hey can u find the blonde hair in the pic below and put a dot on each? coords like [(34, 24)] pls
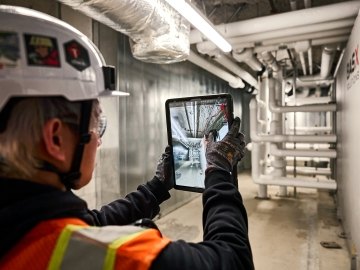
[(24, 132)]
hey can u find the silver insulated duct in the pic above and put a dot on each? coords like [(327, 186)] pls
[(158, 33)]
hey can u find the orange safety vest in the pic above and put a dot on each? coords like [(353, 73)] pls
[(72, 244)]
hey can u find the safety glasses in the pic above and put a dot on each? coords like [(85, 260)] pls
[(101, 127)]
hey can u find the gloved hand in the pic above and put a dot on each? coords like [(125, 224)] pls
[(164, 169), (224, 155)]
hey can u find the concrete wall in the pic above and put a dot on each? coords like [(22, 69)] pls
[(348, 132), (136, 133)]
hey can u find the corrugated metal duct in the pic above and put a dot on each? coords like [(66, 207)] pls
[(158, 33)]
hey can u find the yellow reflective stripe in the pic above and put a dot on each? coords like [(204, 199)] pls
[(112, 248), (61, 246)]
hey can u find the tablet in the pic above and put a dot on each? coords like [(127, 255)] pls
[(189, 120)]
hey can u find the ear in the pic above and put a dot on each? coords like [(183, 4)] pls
[(53, 135)]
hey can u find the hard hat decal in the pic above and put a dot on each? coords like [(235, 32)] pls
[(76, 55), (42, 51), (9, 49)]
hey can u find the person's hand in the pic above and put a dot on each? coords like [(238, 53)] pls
[(224, 155), (163, 169)]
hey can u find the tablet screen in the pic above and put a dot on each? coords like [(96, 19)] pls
[(189, 121)]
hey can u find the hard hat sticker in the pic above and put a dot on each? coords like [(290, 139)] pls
[(76, 55), (42, 51), (9, 49)]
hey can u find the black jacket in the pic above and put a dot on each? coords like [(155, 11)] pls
[(226, 246)]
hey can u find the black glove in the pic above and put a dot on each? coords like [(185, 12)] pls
[(164, 169), (224, 155)]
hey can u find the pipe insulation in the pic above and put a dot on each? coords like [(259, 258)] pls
[(158, 33), (295, 18)]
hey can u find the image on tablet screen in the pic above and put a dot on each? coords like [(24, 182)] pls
[(191, 121)]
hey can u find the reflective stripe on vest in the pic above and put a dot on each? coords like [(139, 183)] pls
[(84, 247)]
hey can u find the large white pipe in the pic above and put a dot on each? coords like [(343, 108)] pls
[(327, 58), (310, 130), (285, 20), (247, 56), (234, 82), (306, 182), (293, 38), (259, 37), (308, 170), (292, 45), (302, 61), (233, 67), (275, 151), (255, 137), (270, 60), (312, 81), (310, 60), (275, 108)]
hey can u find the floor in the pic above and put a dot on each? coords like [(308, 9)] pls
[(285, 232)]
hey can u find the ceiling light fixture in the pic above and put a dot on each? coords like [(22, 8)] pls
[(199, 22)]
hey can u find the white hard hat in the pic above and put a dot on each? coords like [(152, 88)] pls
[(43, 56)]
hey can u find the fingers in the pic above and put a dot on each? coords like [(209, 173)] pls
[(235, 127), (210, 137), (168, 149)]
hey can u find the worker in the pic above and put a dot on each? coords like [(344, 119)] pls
[(51, 125)]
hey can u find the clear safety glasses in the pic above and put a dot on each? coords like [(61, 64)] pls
[(101, 127)]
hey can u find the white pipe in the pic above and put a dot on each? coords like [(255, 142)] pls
[(247, 56), (270, 60), (312, 81), (329, 40), (291, 45), (275, 151), (292, 19), (310, 60), (302, 61), (317, 35), (259, 37), (311, 129), (282, 138), (304, 108), (314, 159), (306, 182), (308, 170), (307, 3), (308, 146), (233, 67), (293, 5), (310, 100), (327, 58), (234, 82)]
